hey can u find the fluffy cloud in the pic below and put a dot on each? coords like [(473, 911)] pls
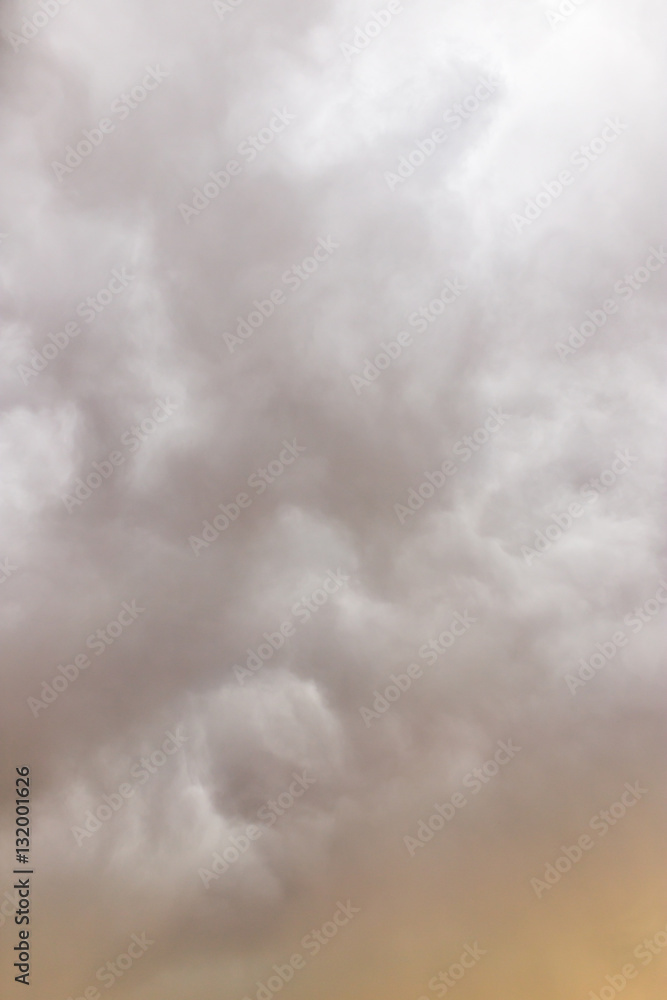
[(120, 308)]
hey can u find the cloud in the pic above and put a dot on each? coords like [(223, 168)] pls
[(320, 181)]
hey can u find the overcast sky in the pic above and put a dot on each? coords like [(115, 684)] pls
[(385, 398)]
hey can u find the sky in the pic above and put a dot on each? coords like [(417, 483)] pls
[(332, 576)]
